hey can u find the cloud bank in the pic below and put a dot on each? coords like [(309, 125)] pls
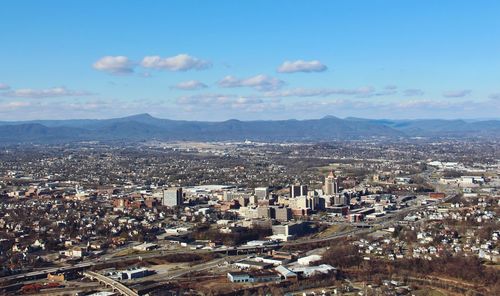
[(259, 82), (181, 62), (302, 66), (114, 65), (45, 93), (190, 85)]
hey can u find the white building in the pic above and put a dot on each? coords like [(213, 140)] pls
[(261, 192), (172, 197), (309, 259), (308, 271)]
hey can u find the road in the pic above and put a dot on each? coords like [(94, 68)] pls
[(201, 267), (124, 290)]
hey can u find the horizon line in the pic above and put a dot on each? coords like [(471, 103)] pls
[(241, 120)]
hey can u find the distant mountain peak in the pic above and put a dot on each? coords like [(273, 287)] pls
[(141, 116), (233, 120), (330, 117)]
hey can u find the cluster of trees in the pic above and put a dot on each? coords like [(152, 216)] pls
[(470, 269), (467, 269), (205, 232), (186, 257), (343, 255), (405, 234), (452, 174)]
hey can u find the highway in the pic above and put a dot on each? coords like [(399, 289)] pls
[(39, 273), (173, 274)]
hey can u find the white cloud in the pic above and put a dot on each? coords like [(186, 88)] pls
[(457, 93), (94, 105), (190, 85), (265, 107), (362, 92), (9, 106), (258, 82), (413, 92), (181, 62), (114, 65), (408, 106), (224, 101), (385, 92), (44, 93), (206, 99), (495, 96), (301, 66), (427, 104), (4, 86), (304, 92)]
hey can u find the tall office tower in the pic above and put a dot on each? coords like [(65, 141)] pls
[(261, 192), (298, 190), (283, 214), (253, 200), (331, 184), (340, 199), (264, 212), (229, 195), (172, 197)]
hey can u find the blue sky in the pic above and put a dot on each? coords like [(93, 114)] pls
[(216, 60)]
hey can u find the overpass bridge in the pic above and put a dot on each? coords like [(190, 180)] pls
[(116, 286), (40, 274)]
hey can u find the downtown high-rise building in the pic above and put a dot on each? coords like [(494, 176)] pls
[(172, 197), (298, 190), (331, 184), (261, 192)]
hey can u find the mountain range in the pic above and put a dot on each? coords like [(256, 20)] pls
[(143, 127)]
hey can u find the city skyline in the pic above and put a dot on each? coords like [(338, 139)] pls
[(194, 60), (249, 147)]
